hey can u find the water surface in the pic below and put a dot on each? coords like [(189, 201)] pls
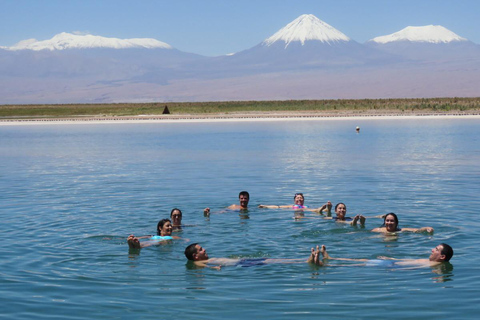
[(70, 194)]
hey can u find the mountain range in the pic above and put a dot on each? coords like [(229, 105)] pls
[(307, 59)]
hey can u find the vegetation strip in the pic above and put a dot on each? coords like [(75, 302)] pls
[(242, 109)]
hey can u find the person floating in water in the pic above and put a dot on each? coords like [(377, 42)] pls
[(198, 255), (341, 211), (299, 204), (243, 198), (164, 233), (441, 253), (390, 225), (176, 216)]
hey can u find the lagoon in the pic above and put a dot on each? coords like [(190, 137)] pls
[(71, 194)]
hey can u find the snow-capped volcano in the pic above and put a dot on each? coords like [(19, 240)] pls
[(304, 28), (428, 34), (66, 40), (306, 43)]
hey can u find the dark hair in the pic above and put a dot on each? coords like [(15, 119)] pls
[(160, 225), (298, 194), (340, 204), (175, 209), (447, 251), (244, 193), (394, 218), (190, 251)]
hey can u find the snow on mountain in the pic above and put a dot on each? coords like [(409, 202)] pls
[(306, 43), (304, 28), (66, 40), (429, 34)]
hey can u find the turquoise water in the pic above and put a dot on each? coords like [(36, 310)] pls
[(70, 195)]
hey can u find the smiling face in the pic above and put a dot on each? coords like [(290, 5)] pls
[(166, 229), (243, 199), (390, 223), (201, 253), (299, 199), (341, 211), (436, 254)]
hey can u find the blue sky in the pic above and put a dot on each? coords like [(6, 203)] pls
[(216, 27)]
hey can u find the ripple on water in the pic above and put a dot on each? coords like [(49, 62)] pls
[(72, 194)]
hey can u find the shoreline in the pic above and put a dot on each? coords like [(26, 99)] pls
[(238, 117)]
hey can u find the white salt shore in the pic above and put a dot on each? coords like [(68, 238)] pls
[(232, 118)]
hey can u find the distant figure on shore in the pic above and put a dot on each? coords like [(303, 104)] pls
[(341, 211), (299, 204), (441, 253), (390, 225), (164, 233), (243, 198), (198, 255)]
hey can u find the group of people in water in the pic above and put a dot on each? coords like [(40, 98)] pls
[(318, 256), (165, 228)]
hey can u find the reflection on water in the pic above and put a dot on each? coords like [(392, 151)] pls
[(70, 195), (444, 272)]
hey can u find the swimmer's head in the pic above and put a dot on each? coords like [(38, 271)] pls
[(336, 206), (299, 199), (195, 252), (390, 222), (341, 210), (244, 193), (176, 216), (447, 251), (243, 198), (441, 253), (164, 227)]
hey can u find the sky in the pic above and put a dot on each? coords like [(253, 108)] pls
[(217, 27)]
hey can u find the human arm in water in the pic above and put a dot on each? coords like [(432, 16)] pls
[(325, 209), (419, 230), (134, 242), (207, 211), (145, 237), (428, 230), (269, 206)]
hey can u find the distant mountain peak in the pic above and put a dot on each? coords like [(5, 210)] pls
[(429, 34), (307, 27), (66, 40)]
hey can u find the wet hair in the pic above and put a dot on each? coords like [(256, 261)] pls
[(447, 251), (160, 225), (176, 209), (340, 204), (244, 193), (190, 251), (394, 218), (298, 194)]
